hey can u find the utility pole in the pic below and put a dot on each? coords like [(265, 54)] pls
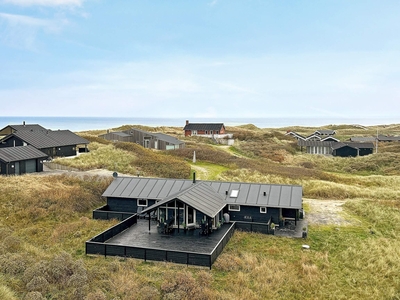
[(376, 142)]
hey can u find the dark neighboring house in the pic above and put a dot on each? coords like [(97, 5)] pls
[(204, 129), (352, 149), (20, 160), (244, 202), (159, 141), (55, 143)]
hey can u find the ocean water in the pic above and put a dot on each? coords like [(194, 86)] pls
[(93, 123)]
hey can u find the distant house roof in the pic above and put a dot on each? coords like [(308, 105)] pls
[(385, 138), (353, 145), (48, 138), (12, 154), (330, 139), (296, 135), (204, 126), (313, 137), (28, 127), (363, 139), (325, 132), (251, 194), (200, 196)]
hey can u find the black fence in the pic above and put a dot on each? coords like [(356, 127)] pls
[(222, 243), (103, 213), (254, 227), (113, 231)]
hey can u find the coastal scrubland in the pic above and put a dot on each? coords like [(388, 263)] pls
[(46, 220)]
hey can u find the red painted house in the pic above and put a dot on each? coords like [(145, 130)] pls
[(204, 129)]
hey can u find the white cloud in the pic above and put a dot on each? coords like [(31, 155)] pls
[(45, 2), (21, 31), (21, 20)]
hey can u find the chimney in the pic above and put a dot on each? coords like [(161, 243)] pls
[(194, 177), (187, 122)]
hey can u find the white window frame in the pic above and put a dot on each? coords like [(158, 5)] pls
[(263, 209), (138, 202), (231, 207)]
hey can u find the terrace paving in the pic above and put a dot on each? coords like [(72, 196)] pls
[(139, 235)]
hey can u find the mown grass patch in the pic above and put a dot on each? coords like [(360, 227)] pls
[(207, 171)]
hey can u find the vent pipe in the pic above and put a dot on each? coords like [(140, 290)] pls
[(194, 177)]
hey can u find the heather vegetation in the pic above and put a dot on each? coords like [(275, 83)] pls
[(46, 220)]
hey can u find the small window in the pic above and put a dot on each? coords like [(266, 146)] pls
[(234, 207), (263, 210), (142, 202), (234, 193)]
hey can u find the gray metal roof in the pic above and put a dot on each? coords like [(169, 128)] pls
[(200, 196), (204, 126), (48, 138), (251, 194), (12, 154)]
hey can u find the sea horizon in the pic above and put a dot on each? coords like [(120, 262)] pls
[(104, 123)]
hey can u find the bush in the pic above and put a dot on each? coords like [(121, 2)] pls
[(13, 264), (34, 296), (38, 284)]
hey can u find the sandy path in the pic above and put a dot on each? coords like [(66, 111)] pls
[(328, 212)]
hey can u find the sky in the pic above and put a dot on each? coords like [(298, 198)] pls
[(211, 59)]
